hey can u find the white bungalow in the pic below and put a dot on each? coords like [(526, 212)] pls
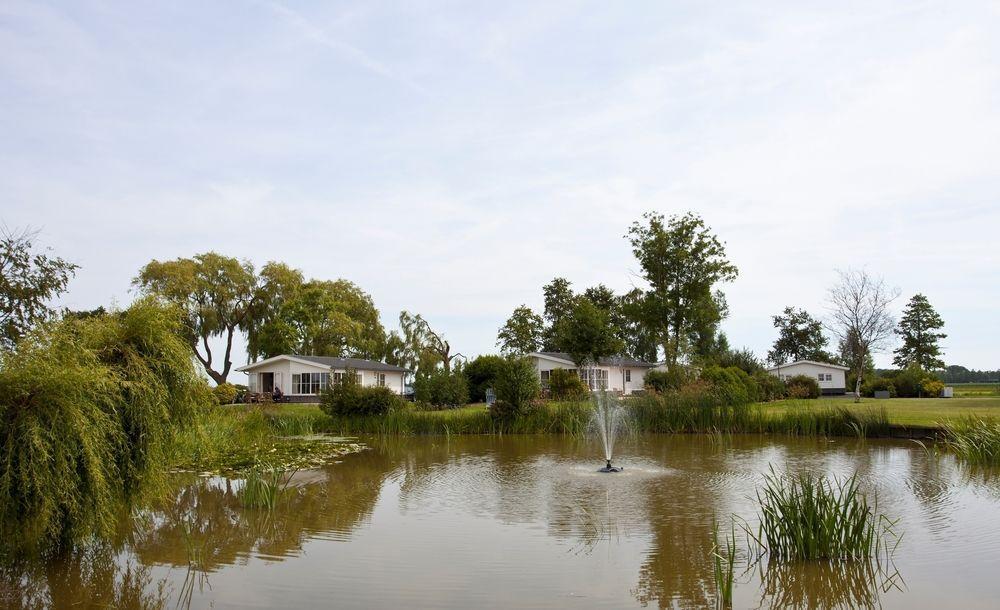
[(302, 378), (617, 373), (832, 378)]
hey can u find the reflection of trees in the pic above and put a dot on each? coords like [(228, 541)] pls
[(90, 578), (205, 519), (825, 584)]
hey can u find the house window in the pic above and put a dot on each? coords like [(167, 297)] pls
[(381, 380), (338, 377), (821, 376), (600, 378), (308, 383), (545, 376), (628, 375)]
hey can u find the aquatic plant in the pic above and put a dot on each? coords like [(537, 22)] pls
[(724, 566), (807, 517), (262, 487), (975, 440)]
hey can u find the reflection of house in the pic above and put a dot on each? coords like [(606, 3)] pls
[(832, 378), (302, 378), (618, 374)]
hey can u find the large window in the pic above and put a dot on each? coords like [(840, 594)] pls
[(308, 383), (600, 378), (338, 377)]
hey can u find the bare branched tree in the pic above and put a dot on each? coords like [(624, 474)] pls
[(859, 315)]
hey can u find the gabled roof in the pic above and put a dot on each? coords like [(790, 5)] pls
[(330, 362), (826, 364), (609, 361)]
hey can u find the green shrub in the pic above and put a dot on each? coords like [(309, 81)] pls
[(442, 388), (743, 359), (732, 385), (771, 388), (909, 382), (516, 386), (932, 387), (878, 384), (349, 397), (481, 374), (802, 386), (664, 381), (567, 385), (975, 439), (225, 393), (88, 408)]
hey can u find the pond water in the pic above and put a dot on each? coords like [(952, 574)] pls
[(527, 522)]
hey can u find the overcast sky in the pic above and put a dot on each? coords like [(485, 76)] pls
[(452, 158)]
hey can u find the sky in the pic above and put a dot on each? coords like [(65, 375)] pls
[(453, 157)]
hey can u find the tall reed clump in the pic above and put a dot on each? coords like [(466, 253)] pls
[(262, 487), (87, 410), (975, 439), (806, 517), (724, 566), (840, 421), (696, 407)]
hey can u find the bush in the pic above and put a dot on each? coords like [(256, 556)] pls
[(567, 385), (88, 408), (225, 393), (441, 388), (909, 382), (802, 386), (932, 387), (878, 384), (771, 388), (732, 385), (481, 374), (743, 359), (516, 386), (664, 381), (349, 397)]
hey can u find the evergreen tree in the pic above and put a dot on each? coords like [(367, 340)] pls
[(918, 330)]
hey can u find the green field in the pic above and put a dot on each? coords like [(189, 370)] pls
[(928, 412), (975, 389)]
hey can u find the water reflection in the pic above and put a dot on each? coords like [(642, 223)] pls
[(418, 522)]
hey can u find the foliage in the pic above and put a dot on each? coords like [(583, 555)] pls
[(670, 379), (225, 393), (909, 382), (682, 261), (800, 337), (731, 384), (442, 388), (806, 517), (522, 333), (879, 384), (975, 439), (261, 487), (859, 306), (559, 300), (932, 387), (586, 334), (917, 328), (802, 386), (423, 347), (350, 397), (517, 384), (28, 281), (481, 373), (770, 387), (88, 409), (960, 374), (566, 385), (743, 359)]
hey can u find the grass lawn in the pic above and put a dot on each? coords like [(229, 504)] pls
[(905, 411)]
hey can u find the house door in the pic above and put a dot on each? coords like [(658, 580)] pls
[(267, 383)]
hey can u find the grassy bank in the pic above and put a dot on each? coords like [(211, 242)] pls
[(920, 412)]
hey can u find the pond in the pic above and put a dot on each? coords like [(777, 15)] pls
[(527, 522)]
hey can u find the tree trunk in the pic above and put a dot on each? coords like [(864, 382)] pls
[(857, 388)]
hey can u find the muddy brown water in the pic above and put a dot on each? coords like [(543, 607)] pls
[(527, 522)]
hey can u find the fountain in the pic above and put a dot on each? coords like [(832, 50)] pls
[(609, 419)]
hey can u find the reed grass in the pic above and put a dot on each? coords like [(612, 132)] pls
[(975, 439), (724, 566), (806, 517), (262, 487)]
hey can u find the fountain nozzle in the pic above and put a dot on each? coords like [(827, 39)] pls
[(610, 468)]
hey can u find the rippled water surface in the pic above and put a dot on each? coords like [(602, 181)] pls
[(527, 522)]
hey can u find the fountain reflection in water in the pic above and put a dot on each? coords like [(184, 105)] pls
[(610, 420)]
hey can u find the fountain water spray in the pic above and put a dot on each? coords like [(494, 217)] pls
[(609, 419)]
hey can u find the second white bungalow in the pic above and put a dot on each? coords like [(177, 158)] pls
[(616, 373), (302, 378), (832, 378)]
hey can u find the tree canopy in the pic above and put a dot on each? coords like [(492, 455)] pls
[(800, 337), (29, 280), (423, 347), (585, 333), (918, 328), (523, 332)]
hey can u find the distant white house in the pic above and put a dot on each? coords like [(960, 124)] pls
[(302, 378), (618, 374), (832, 378)]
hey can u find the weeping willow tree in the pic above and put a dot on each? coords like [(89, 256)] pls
[(87, 411)]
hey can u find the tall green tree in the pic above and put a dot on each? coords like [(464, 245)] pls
[(586, 333), (218, 296), (523, 332), (559, 300), (918, 329), (682, 261), (29, 279), (800, 337)]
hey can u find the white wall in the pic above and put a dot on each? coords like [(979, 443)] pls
[(838, 381), (616, 380), (286, 368)]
